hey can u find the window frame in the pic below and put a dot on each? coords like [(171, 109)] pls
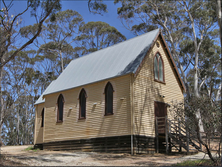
[(160, 57), (106, 103), (42, 115), (82, 91), (58, 120)]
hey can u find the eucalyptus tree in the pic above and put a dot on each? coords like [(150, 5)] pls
[(10, 38), (21, 83), (60, 36), (97, 35), (183, 22)]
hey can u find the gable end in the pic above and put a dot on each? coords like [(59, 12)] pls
[(170, 57)]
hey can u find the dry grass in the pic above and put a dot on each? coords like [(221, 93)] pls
[(203, 162)]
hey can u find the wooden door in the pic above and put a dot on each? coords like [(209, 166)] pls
[(160, 113)]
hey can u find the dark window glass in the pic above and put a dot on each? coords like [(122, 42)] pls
[(82, 104), (155, 68), (109, 99), (60, 107), (42, 125), (158, 68)]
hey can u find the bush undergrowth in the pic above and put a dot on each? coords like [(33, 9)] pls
[(203, 162), (31, 148)]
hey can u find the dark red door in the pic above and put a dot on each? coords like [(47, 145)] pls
[(160, 113)]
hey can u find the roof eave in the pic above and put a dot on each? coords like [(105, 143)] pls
[(38, 103), (151, 46), (173, 63), (86, 84)]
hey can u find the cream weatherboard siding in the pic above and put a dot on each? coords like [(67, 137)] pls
[(146, 91), (38, 135), (95, 124)]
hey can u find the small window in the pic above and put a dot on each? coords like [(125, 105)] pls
[(42, 125), (82, 104), (158, 68), (109, 99), (60, 104)]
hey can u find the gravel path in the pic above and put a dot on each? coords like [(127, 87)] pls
[(63, 158)]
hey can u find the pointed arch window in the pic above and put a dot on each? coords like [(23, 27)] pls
[(42, 125), (82, 104), (60, 104), (109, 99), (158, 68)]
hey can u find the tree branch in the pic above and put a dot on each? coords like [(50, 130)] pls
[(201, 84), (32, 39)]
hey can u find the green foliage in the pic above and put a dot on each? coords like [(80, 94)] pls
[(203, 162), (29, 31), (98, 35), (1, 15), (97, 6), (46, 5), (31, 148)]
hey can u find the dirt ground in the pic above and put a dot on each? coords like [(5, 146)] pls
[(17, 155)]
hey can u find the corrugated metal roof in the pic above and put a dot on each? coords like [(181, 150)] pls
[(117, 60)]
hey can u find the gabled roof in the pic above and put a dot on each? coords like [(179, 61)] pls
[(117, 60)]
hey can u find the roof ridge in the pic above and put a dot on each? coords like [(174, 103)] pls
[(115, 44)]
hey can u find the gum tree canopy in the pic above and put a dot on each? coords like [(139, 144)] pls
[(11, 41)]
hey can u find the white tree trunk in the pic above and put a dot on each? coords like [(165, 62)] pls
[(218, 5), (218, 93)]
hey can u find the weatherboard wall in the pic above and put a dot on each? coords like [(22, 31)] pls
[(146, 91), (96, 124), (38, 138)]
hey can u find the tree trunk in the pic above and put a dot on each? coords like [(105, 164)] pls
[(26, 118), (218, 6), (196, 92), (18, 119), (1, 143), (1, 106)]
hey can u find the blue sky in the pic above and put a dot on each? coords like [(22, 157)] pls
[(80, 6)]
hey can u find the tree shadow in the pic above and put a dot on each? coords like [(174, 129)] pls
[(42, 157), (109, 157)]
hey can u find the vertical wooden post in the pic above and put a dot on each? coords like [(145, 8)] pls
[(132, 145), (106, 144), (166, 134), (157, 136)]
